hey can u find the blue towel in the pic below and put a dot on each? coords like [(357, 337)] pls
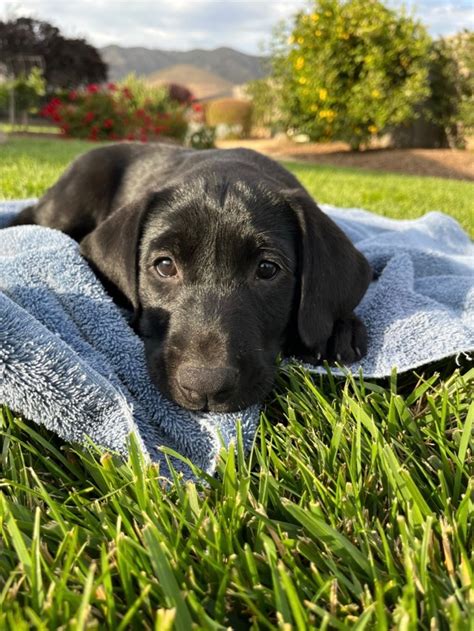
[(70, 361)]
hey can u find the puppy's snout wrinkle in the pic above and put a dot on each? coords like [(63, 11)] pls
[(202, 384)]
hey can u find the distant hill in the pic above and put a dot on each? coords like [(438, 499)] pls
[(202, 83), (230, 65)]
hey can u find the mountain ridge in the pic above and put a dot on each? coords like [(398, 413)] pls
[(226, 63), (202, 83)]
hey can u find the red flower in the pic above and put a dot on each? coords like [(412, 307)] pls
[(159, 129), (92, 88), (72, 95), (112, 87), (140, 113), (143, 137), (52, 110), (108, 123), (127, 93), (89, 117), (93, 133), (130, 136), (197, 107)]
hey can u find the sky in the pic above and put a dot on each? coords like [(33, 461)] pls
[(245, 25)]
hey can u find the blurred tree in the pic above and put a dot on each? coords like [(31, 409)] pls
[(68, 63), (179, 93), (349, 69), (451, 104), (28, 90), (266, 104), (447, 115), (463, 49)]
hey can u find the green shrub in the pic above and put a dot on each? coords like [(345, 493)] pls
[(231, 112), (203, 138), (4, 96), (351, 68), (451, 103), (266, 103), (446, 117), (463, 49), (28, 91)]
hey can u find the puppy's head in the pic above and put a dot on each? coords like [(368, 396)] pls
[(224, 273)]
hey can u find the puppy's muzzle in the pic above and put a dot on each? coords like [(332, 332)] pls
[(203, 386)]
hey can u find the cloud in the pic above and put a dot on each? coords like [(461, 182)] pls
[(186, 24), (440, 17), (447, 19), (177, 24)]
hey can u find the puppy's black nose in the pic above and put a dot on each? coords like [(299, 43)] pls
[(206, 384)]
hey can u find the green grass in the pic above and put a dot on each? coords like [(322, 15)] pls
[(354, 509), (32, 128), (28, 167), (390, 194)]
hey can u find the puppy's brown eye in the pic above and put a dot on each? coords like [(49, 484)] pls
[(267, 270), (165, 266)]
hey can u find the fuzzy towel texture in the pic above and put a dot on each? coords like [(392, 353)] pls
[(69, 360)]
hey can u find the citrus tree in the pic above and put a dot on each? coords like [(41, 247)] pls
[(351, 68)]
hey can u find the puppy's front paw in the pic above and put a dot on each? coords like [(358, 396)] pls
[(348, 342)]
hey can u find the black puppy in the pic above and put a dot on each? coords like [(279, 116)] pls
[(224, 258)]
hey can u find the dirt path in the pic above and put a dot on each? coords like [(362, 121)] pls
[(448, 163)]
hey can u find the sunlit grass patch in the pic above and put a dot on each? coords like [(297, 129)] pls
[(355, 507)]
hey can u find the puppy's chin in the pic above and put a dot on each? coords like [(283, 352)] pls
[(256, 388), (239, 401), (218, 408)]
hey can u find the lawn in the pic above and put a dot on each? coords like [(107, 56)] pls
[(32, 128), (354, 509)]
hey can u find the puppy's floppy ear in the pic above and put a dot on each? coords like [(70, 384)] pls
[(333, 274), (112, 247)]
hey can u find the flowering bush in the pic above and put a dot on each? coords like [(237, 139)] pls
[(350, 68), (131, 111)]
